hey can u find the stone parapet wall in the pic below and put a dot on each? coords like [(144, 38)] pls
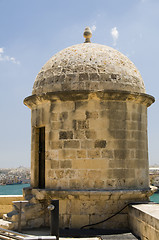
[(6, 203), (144, 221), (79, 208)]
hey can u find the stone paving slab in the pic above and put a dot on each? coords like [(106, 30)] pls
[(126, 236), (79, 235)]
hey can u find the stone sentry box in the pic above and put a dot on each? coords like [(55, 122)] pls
[(89, 138)]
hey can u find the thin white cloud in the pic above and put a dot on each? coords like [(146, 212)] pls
[(93, 28), (1, 50), (115, 35), (5, 58)]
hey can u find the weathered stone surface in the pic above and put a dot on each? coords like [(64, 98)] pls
[(91, 100), (90, 64), (144, 220), (87, 137), (66, 135), (6, 203), (100, 144), (78, 208), (71, 144)]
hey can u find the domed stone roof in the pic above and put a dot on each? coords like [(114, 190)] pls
[(88, 66)]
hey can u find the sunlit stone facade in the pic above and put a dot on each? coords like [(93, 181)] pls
[(89, 138)]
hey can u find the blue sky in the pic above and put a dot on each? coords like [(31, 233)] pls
[(31, 31)]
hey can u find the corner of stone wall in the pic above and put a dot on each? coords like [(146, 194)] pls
[(144, 220)]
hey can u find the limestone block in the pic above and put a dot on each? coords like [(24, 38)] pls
[(63, 208), (48, 164), (35, 223), (52, 135), (87, 206), (33, 211), (59, 174), (65, 221), (96, 174), (93, 154), (69, 105), (71, 173), (75, 207), (54, 116), (56, 107), (81, 153), (66, 164), (80, 124), (79, 134), (78, 115), (100, 144), (71, 144), (99, 184), (63, 116), (67, 154), (90, 134), (41, 195), (93, 114), (85, 144), (75, 184), (56, 145), (78, 221), (65, 135), (81, 105), (54, 164), (56, 125)]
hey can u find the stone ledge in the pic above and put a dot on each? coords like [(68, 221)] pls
[(6, 203), (144, 220), (7, 199), (111, 95), (133, 193)]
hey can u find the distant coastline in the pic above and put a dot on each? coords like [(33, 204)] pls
[(14, 176)]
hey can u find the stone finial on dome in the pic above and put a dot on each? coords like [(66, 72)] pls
[(87, 34)]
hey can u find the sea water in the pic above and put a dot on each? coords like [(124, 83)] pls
[(155, 197), (14, 189)]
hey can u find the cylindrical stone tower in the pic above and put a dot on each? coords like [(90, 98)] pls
[(89, 136)]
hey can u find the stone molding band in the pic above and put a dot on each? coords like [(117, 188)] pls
[(123, 192), (109, 95)]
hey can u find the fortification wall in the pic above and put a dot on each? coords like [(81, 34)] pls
[(6, 203), (144, 221)]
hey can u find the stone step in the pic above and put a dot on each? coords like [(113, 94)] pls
[(6, 224), (11, 216), (5, 217)]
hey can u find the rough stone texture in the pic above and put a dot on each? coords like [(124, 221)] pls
[(79, 208), (6, 203), (91, 100), (83, 152), (88, 67), (144, 221), (95, 145), (6, 224)]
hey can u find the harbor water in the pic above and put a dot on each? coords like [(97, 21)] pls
[(14, 189), (155, 197)]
